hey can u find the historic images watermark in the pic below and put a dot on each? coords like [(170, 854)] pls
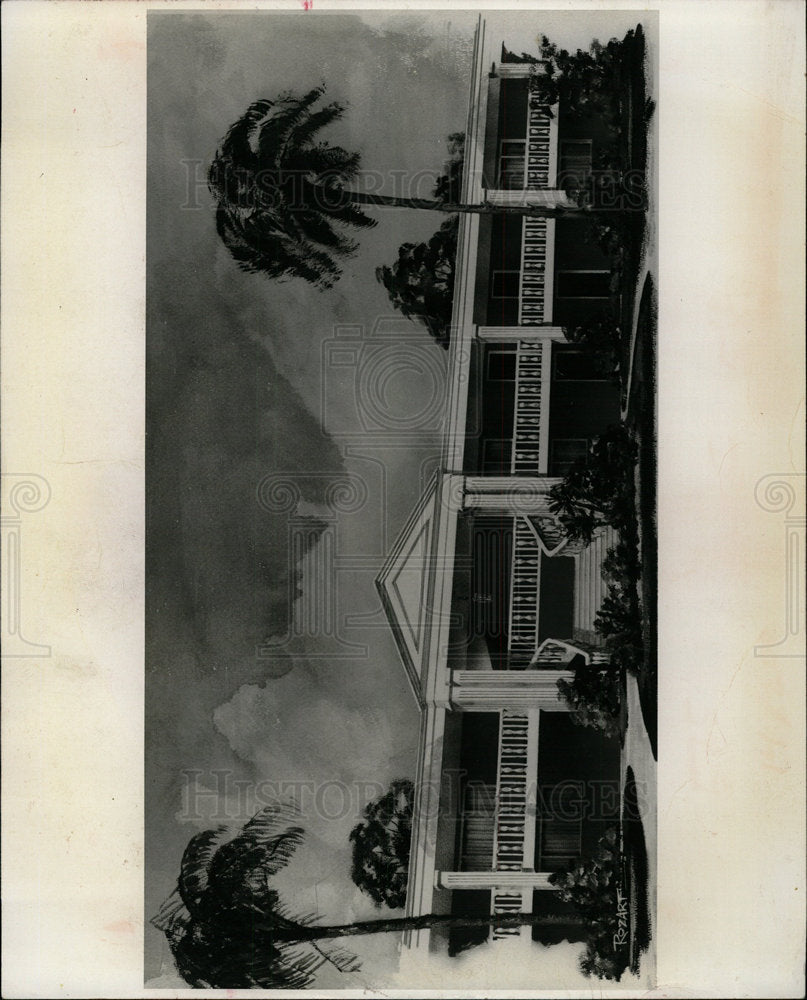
[(217, 796), (22, 493), (265, 190), (784, 494)]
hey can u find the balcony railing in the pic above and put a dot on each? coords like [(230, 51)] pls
[(538, 235), (508, 844), (531, 417), (515, 830), (522, 633)]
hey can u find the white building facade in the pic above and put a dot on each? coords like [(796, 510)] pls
[(489, 602)]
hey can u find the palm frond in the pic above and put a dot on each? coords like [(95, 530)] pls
[(172, 918), (193, 874), (316, 266), (274, 133), (317, 229), (236, 145), (340, 958), (265, 256), (275, 253), (266, 839), (303, 132), (326, 163), (350, 215)]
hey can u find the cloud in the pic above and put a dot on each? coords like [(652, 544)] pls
[(508, 965), (233, 389), (297, 730)]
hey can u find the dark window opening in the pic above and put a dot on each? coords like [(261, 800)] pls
[(575, 164), (505, 285), (576, 366), (491, 561), (497, 457), (498, 405), (584, 284), (512, 164), (501, 365), (564, 452)]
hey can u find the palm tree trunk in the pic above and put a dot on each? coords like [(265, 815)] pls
[(335, 197), (463, 208), (291, 931)]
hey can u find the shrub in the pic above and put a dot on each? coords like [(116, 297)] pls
[(601, 336), (593, 696), (594, 493), (420, 283), (619, 620), (598, 490), (590, 885)]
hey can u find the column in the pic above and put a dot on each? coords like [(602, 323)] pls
[(20, 494), (554, 199), (508, 494), (489, 690), (524, 881), (519, 70), (512, 334), (783, 493)]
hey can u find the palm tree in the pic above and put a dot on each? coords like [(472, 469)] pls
[(224, 921), (281, 198), (228, 928)]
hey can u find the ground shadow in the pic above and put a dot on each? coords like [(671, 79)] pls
[(641, 418), (636, 872)]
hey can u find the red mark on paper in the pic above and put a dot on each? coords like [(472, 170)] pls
[(121, 927), (308, 4)]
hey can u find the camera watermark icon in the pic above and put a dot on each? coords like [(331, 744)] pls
[(22, 493), (784, 493), (395, 383)]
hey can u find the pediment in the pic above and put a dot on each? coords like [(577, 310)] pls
[(404, 583)]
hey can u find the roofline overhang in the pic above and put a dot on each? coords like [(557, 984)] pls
[(420, 886)]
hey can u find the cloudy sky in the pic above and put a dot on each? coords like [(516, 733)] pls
[(241, 388)]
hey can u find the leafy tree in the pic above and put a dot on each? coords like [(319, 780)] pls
[(585, 82), (599, 489), (605, 82), (449, 184), (421, 282), (227, 926), (281, 196), (381, 843)]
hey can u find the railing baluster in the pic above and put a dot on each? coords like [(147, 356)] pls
[(533, 256), (511, 813), (530, 361)]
